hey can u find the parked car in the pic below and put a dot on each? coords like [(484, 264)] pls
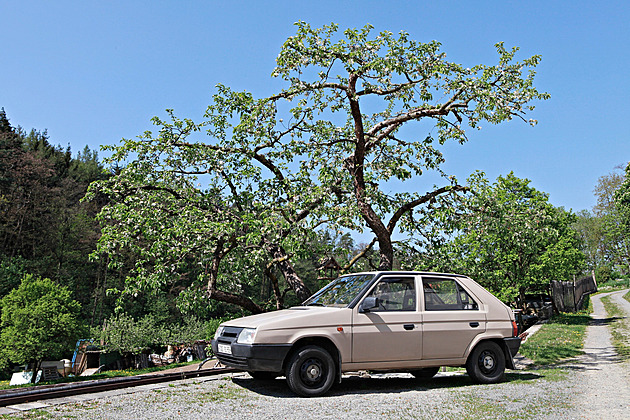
[(378, 321)]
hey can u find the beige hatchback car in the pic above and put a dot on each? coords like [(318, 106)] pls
[(379, 321)]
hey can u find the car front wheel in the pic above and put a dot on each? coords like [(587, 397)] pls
[(486, 364), (311, 371)]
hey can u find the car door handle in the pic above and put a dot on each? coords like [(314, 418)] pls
[(408, 326), (474, 324)]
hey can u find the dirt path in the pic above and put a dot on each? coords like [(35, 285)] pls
[(606, 379)]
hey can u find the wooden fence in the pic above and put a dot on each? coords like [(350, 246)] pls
[(568, 296)]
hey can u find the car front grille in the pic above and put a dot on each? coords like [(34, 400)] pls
[(238, 362)]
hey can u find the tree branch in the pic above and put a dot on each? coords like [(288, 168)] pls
[(421, 200), (165, 189), (359, 256)]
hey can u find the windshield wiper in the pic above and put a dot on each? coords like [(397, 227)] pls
[(315, 304)]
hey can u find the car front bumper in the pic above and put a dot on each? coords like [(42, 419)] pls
[(253, 357)]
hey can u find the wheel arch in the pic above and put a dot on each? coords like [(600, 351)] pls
[(509, 362), (323, 342)]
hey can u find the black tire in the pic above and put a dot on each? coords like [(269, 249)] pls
[(311, 371), (425, 373), (263, 376), (486, 364)]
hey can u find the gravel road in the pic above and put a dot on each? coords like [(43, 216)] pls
[(606, 379), (596, 386)]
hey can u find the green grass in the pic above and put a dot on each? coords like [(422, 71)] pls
[(612, 285), (561, 338), (103, 375), (627, 296), (619, 327)]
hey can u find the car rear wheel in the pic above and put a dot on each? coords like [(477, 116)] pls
[(486, 364), (263, 376), (425, 373), (311, 371)]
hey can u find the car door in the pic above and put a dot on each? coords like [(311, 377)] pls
[(392, 331), (452, 318)]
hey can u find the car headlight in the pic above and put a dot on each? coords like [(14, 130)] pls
[(218, 332), (246, 336)]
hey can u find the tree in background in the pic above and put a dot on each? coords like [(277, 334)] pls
[(511, 239), (590, 227), (40, 320), (606, 243), (619, 227)]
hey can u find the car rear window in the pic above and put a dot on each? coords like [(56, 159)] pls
[(446, 295)]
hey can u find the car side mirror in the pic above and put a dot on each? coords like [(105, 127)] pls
[(368, 304)]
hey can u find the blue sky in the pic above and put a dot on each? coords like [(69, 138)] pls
[(92, 73)]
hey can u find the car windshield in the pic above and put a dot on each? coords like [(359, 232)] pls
[(340, 292)]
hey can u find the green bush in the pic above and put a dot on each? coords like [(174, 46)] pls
[(39, 321), (603, 273), (122, 333)]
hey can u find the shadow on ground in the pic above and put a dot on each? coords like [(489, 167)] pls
[(605, 321), (375, 385)]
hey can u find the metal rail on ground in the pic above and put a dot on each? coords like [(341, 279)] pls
[(45, 392)]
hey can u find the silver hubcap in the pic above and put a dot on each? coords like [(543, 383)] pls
[(488, 362), (312, 372)]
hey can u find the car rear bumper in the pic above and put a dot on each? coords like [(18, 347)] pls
[(253, 357), (511, 345)]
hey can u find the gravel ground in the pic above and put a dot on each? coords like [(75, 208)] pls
[(596, 386), (448, 396)]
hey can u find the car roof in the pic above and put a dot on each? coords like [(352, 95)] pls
[(415, 273)]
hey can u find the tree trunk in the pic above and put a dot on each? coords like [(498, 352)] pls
[(227, 297), (284, 264), (239, 300), (36, 365), (276, 289), (355, 165)]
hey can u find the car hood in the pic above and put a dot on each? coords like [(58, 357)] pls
[(296, 317)]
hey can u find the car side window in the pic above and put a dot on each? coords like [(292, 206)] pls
[(395, 294), (446, 295)]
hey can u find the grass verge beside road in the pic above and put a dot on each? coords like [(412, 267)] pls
[(561, 338), (619, 327)]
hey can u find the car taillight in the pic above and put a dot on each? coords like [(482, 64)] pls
[(514, 329)]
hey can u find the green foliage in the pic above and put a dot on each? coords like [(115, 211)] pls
[(604, 274), (604, 233), (561, 338), (191, 330), (122, 333), (40, 320), (12, 270), (511, 239), (622, 207)]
